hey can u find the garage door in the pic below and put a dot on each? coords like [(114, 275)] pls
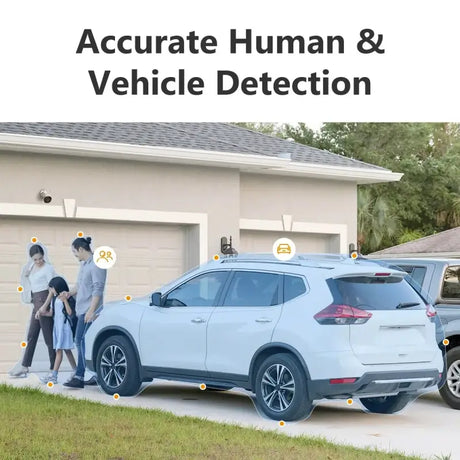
[(147, 257), (261, 241)]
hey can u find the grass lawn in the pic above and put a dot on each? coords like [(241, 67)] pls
[(37, 425)]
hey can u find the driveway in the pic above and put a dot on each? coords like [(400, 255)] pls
[(427, 427)]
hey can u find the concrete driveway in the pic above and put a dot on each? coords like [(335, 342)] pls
[(427, 427)]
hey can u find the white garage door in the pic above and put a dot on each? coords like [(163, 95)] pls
[(261, 241), (147, 257)]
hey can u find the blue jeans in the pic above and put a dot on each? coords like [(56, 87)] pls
[(82, 327)]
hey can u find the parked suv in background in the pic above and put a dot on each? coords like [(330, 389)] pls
[(291, 332), (439, 281)]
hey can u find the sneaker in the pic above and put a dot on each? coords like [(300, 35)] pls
[(72, 376), (91, 381), (75, 383), (21, 372), (48, 379)]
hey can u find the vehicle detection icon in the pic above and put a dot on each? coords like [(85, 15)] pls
[(284, 249)]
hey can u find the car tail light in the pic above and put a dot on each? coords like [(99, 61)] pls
[(346, 380), (430, 311), (342, 314)]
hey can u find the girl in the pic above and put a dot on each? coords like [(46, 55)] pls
[(64, 316)]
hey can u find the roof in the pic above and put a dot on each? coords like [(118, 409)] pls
[(443, 244), (219, 137), (221, 141)]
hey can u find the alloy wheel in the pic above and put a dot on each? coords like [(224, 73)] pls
[(453, 378), (278, 387), (113, 366)]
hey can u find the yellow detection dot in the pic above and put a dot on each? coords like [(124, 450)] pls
[(282, 423), (128, 298), (34, 239), (349, 402), (80, 234), (20, 288), (354, 255), (50, 384), (445, 342), (23, 344), (203, 386), (216, 257), (116, 396)]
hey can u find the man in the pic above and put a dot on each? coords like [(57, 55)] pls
[(89, 294)]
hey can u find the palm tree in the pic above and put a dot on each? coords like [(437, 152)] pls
[(375, 221)]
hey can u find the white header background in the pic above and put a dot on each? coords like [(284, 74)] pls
[(417, 79)]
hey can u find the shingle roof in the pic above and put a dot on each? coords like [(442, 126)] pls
[(220, 137), (445, 242)]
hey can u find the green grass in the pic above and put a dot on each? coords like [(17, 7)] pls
[(35, 425)]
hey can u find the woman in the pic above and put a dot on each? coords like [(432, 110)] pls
[(36, 275)]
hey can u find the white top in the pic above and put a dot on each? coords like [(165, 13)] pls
[(39, 278)]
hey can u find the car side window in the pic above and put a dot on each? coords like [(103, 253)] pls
[(253, 289), (293, 287), (200, 291), (451, 283), (416, 273)]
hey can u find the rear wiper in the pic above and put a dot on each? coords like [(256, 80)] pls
[(407, 304)]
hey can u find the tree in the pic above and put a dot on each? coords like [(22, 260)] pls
[(375, 221), (426, 200)]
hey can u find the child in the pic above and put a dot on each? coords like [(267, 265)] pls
[(64, 314)]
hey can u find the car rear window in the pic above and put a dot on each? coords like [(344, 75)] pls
[(375, 293), (416, 273)]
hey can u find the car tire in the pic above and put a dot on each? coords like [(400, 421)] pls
[(450, 391), (289, 403), (117, 367), (387, 404)]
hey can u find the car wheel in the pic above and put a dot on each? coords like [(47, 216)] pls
[(387, 404), (117, 367), (281, 389), (450, 392)]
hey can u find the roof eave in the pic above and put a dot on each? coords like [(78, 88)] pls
[(242, 161), (417, 255)]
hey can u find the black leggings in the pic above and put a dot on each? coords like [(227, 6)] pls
[(45, 323)]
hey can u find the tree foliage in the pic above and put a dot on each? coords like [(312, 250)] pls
[(426, 200)]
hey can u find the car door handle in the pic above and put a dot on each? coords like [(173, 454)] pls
[(263, 320), (198, 320)]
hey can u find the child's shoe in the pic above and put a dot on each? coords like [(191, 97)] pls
[(52, 377)]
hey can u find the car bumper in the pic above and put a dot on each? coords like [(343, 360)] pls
[(375, 384)]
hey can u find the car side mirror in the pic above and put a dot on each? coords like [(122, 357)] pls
[(155, 299)]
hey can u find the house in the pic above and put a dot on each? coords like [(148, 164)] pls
[(162, 195), (442, 245)]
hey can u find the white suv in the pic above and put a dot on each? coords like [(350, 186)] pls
[(291, 332)]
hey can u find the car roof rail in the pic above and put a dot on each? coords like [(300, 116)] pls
[(306, 260)]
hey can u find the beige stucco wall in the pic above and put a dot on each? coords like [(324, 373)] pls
[(307, 200), (126, 185)]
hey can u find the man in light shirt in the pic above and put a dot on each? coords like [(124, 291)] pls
[(89, 292)]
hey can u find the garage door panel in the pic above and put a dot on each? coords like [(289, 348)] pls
[(148, 255), (262, 241)]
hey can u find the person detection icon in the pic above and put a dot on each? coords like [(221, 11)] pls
[(104, 257)]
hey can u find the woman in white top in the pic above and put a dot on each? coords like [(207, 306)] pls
[(35, 276)]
